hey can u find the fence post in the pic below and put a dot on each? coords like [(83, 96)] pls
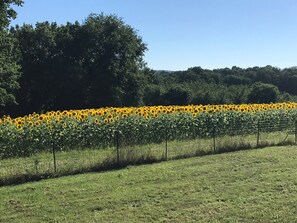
[(117, 147), (214, 138), (258, 132), (295, 131), (54, 157), (166, 143)]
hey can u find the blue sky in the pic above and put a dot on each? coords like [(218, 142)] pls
[(187, 33)]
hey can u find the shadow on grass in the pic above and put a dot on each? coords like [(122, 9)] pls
[(110, 163)]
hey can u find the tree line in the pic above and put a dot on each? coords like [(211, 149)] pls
[(222, 86), (100, 62)]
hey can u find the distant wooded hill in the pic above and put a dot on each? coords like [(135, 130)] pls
[(222, 86)]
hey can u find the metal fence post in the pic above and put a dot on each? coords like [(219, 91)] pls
[(295, 131), (166, 143), (54, 157), (214, 138), (258, 132), (117, 147)]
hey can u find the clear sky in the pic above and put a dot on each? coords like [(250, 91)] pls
[(187, 33)]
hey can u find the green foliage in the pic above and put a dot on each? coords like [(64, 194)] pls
[(221, 86), (176, 95), (7, 12), (152, 95), (94, 64), (94, 132), (263, 93), (9, 70)]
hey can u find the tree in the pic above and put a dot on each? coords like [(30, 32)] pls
[(153, 95), (94, 64), (176, 95), (113, 58), (263, 93), (7, 13), (41, 66), (9, 70)]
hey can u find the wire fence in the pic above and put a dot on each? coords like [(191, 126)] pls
[(124, 148)]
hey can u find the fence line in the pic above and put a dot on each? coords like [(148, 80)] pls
[(129, 150)]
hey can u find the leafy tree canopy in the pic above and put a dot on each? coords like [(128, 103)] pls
[(80, 65), (7, 13), (263, 93), (9, 70)]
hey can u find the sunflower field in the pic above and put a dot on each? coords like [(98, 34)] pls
[(100, 128)]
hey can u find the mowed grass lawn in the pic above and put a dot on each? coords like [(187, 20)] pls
[(245, 186)]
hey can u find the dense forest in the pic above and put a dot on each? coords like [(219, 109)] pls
[(222, 86), (100, 62)]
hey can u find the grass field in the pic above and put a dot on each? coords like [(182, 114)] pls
[(246, 186)]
